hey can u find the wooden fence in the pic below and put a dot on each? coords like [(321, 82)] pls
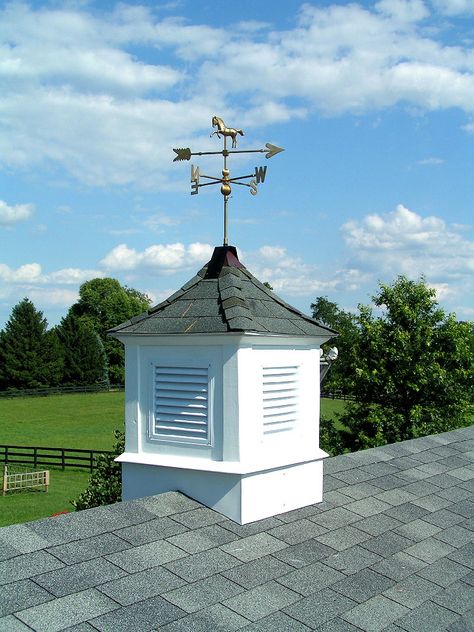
[(54, 457), (337, 395), (24, 480), (60, 390)]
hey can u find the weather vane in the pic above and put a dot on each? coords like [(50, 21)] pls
[(225, 180)]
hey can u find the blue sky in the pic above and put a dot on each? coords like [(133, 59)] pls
[(372, 101)]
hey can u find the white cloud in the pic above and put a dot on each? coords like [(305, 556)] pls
[(164, 258), (25, 274), (404, 242), (124, 87), (430, 161), (72, 276), (454, 7), (10, 215), (57, 297)]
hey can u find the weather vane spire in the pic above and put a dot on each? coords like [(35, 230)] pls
[(255, 178)]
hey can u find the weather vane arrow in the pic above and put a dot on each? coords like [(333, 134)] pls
[(185, 153), (257, 177)]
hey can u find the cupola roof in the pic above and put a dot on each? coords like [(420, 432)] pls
[(223, 297)]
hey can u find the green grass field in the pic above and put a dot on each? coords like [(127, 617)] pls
[(84, 420)]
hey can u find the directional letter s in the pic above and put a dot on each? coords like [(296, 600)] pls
[(253, 187)]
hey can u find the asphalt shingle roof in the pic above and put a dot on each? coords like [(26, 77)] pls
[(389, 548), (223, 297)]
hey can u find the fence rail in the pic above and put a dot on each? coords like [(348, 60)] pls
[(55, 457), (60, 390), (337, 395)]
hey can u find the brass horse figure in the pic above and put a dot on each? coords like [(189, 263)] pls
[(225, 131)]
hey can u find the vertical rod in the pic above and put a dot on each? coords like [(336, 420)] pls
[(225, 196)]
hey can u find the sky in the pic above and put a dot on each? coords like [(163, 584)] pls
[(373, 103)]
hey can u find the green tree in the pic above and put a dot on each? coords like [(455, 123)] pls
[(30, 355), (104, 303), (84, 360), (341, 373), (414, 368), (105, 482)]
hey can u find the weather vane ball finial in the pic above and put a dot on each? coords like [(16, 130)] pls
[(225, 181)]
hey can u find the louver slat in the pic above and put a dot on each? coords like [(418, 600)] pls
[(181, 404), (280, 399)]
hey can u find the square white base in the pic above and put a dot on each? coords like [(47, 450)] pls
[(242, 497)]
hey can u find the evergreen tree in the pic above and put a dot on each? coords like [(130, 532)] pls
[(84, 360), (104, 303), (29, 354)]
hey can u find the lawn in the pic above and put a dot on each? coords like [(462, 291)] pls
[(82, 420), (33, 504)]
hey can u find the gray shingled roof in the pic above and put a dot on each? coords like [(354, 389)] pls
[(223, 297), (390, 548)]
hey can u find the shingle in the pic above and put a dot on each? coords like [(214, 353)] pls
[(200, 517), (145, 556), (380, 523), (253, 527), (22, 539), (320, 607), (429, 616), (151, 531), (305, 553), (12, 624), (82, 550), (203, 593), (257, 571), (343, 538), (458, 597), (202, 539), (297, 531), (406, 512), (276, 622), (455, 536), (443, 518), (429, 550), (335, 518), (168, 504), (20, 595), (358, 491), (139, 586), (78, 577), (418, 530), (444, 572), (139, 617), (394, 497), (363, 585), (352, 560), (399, 566), (368, 507), (412, 591), (27, 565), (201, 565), (310, 579), (254, 546), (262, 600), (55, 615), (375, 614), (464, 555), (217, 618)]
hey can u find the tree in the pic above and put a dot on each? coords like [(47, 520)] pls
[(414, 368), (341, 374), (105, 482), (84, 360), (104, 303), (29, 354)]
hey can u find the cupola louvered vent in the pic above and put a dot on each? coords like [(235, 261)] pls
[(280, 398), (181, 404)]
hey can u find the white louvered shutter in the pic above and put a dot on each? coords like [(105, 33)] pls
[(280, 398), (181, 398)]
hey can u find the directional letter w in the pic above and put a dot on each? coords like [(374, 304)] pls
[(260, 173)]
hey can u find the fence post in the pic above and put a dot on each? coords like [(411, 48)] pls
[(35, 457), (6, 454), (91, 455), (5, 484), (63, 463)]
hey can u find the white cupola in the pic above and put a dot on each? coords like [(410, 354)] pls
[(222, 396)]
